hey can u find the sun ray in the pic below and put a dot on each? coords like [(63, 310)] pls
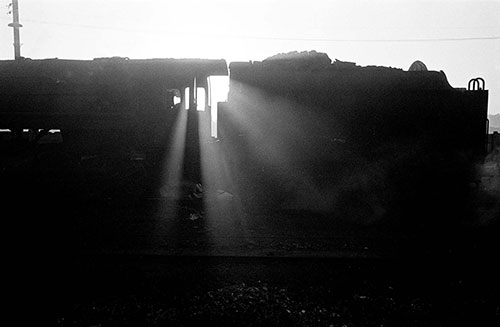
[(170, 183), (282, 152)]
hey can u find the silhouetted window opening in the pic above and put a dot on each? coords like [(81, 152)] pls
[(218, 92), (173, 98), (200, 99), (186, 98)]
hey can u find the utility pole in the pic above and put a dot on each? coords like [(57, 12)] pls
[(15, 24)]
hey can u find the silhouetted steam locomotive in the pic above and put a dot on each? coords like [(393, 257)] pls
[(296, 119), (355, 104), (110, 98)]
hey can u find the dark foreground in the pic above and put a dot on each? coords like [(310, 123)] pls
[(228, 291), (418, 283), (82, 253)]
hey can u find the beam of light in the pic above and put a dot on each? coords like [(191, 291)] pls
[(173, 161), (171, 182), (225, 218), (292, 153), (271, 132)]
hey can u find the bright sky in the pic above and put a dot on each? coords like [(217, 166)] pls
[(460, 37)]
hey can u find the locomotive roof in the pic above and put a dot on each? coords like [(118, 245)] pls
[(338, 73), (41, 76)]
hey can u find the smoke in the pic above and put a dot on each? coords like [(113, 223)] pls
[(488, 188)]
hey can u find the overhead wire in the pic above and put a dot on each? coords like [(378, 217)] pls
[(271, 38)]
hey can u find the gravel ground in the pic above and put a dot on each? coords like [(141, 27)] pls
[(261, 304), (253, 305), (183, 291)]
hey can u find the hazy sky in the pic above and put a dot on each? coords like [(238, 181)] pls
[(462, 38)]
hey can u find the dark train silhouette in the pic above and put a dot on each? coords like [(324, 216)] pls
[(294, 124), (115, 98)]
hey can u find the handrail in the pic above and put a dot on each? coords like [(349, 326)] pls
[(476, 84)]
